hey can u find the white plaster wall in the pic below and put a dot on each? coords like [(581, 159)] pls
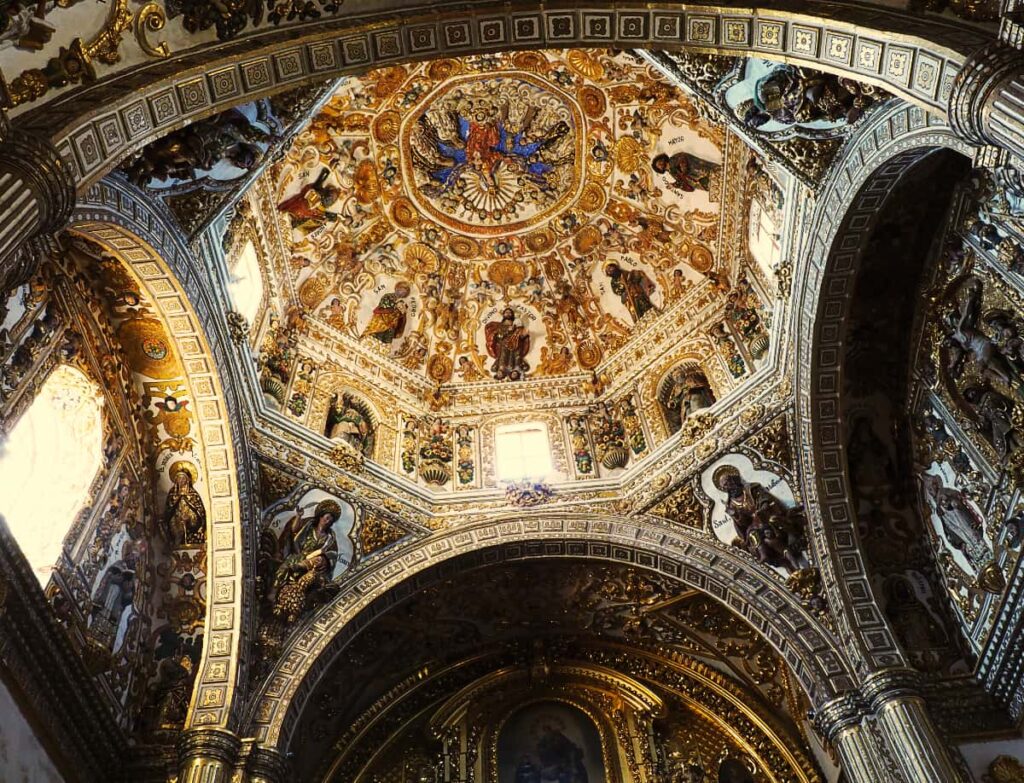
[(22, 757), (979, 755)]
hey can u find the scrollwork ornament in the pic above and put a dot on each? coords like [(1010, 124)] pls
[(150, 19), (238, 327)]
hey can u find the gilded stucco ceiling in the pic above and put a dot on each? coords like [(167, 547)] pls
[(500, 217)]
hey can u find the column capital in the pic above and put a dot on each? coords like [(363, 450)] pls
[(842, 712), (207, 755), (984, 101), (885, 686), (44, 171), (262, 764)]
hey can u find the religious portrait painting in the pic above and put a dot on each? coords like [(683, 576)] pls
[(310, 207), (627, 289), (387, 323), (550, 742)]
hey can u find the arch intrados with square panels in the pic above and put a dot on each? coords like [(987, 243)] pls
[(885, 150), (219, 479), (100, 124), (723, 573)]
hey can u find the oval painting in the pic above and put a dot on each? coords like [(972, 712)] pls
[(550, 742)]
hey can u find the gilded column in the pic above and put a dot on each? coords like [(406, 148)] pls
[(841, 722), (207, 755), (903, 720), (37, 194), (986, 103)]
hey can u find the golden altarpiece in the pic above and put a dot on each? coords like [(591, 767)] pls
[(481, 393)]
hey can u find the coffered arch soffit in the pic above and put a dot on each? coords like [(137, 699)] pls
[(883, 151), (96, 126), (811, 650), (225, 484)]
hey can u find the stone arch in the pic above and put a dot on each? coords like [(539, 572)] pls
[(97, 125), (113, 219), (725, 574), (884, 150)]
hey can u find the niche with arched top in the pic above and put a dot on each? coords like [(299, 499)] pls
[(682, 392), (350, 420)]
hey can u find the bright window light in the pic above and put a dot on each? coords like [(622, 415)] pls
[(522, 452), (48, 463), (246, 282)]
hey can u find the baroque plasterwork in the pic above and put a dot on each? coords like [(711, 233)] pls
[(881, 151), (685, 556), (213, 77), (114, 217)]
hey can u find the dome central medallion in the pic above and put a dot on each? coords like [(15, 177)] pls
[(493, 154)]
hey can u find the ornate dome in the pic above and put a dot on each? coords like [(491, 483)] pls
[(545, 219)]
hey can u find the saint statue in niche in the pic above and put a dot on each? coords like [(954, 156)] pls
[(388, 321), (768, 530), (115, 594), (686, 391), (634, 289), (688, 172), (308, 209), (508, 342), (184, 515), (347, 423), (306, 553)]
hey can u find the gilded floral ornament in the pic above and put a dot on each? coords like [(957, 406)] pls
[(1005, 769), (72, 64), (238, 327), (376, 532), (346, 457), (806, 583), (697, 426)]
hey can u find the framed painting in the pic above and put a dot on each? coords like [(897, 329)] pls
[(550, 742)]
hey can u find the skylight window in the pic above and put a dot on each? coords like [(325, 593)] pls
[(48, 463), (246, 283), (522, 452)]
